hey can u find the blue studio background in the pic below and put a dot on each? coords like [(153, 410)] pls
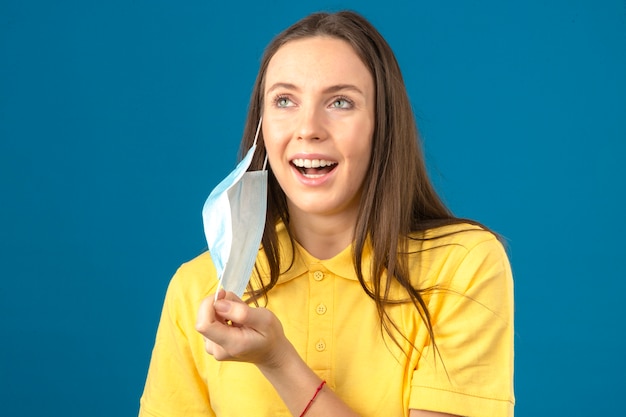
[(117, 118)]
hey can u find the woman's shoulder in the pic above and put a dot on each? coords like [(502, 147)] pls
[(462, 234), (195, 277), (464, 250), (201, 264), (445, 250)]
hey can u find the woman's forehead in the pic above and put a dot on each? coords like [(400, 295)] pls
[(321, 61)]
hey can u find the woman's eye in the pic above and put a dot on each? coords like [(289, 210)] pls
[(283, 102), (342, 103)]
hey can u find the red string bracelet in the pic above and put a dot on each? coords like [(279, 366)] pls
[(317, 391)]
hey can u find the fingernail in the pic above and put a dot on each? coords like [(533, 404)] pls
[(222, 306)]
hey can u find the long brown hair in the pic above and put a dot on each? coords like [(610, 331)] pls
[(398, 198)]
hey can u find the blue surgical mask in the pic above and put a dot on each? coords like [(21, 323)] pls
[(234, 219)]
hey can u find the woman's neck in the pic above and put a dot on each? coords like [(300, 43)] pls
[(322, 236)]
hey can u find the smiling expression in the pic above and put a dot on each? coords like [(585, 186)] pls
[(318, 122)]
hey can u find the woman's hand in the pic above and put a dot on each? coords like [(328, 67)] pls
[(234, 331)]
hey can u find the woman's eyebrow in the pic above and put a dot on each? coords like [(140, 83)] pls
[(343, 87), (286, 86), (331, 89)]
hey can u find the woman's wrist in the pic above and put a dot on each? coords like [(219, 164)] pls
[(300, 388), (292, 378), (284, 363)]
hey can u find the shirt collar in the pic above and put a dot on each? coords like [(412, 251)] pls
[(296, 261)]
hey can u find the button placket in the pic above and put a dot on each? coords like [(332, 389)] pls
[(320, 318)]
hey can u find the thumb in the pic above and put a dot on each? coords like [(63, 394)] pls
[(242, 314)]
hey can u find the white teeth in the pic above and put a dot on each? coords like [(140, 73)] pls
[(313, 175), (312, 163)]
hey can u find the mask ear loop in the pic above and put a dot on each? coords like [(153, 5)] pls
[(258, 129), (265, 163), (256, 136)]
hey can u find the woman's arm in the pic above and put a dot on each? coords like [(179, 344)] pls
[(235, 331)]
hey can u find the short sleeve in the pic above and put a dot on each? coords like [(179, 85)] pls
[(174, 386), (470, 373)]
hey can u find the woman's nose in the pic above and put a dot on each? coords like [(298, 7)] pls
[(311, 124)]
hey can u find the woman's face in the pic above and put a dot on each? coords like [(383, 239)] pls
[(318, 122)]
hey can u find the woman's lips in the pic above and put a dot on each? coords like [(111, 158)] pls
[(313, 171), (313, 168)]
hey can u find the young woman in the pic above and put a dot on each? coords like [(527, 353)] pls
[(368, 297)]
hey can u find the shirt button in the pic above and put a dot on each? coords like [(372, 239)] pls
[(320, 346), (320, 309), (318, 275)]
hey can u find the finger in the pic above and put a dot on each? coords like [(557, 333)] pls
[(224, 307), (242, 314), (221, 294), (206, 315), (206, 312), (216, 350), (209, 346)]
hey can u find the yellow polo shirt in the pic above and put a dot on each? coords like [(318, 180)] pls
[(334, 326)]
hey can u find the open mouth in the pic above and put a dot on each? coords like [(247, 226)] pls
[(313, 168)]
